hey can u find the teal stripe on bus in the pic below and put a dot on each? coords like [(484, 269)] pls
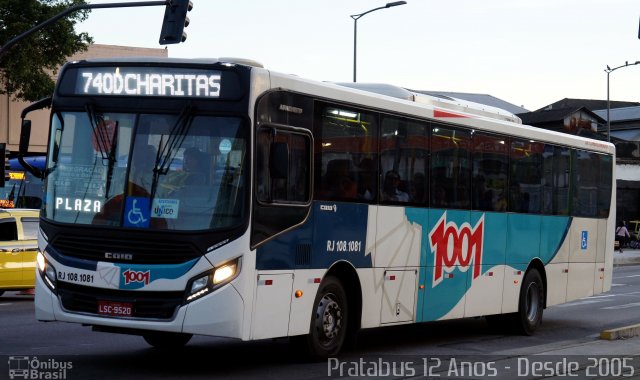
[(461, 244)]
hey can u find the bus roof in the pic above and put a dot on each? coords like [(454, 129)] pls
[(383, 96), (187, 61), (438, 101), (460, 112)]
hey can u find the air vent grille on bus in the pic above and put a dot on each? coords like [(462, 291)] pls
[(303, 254), (148, 251)]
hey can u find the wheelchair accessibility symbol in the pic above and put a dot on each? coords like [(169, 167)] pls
[(585, 240), (137, 212)]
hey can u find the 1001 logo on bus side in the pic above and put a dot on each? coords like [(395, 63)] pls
[(456, 246)]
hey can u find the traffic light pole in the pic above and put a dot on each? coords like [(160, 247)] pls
[(4, 166), (75, 8)]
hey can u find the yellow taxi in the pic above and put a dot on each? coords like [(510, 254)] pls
[(634, 229), (18, 248)]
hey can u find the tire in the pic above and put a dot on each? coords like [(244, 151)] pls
[(165, 340), (530, 305), (329, 320)]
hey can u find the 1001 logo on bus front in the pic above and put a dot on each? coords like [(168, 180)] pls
[(132, 276), (456, 246)]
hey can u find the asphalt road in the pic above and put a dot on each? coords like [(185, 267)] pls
[(103, 355)]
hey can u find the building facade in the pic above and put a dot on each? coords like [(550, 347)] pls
[(10, 108)]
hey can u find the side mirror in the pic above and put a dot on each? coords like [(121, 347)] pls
[(3, 166), (279, 160), (25, 135)]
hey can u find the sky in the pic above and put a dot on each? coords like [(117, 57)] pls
[(527, 52)]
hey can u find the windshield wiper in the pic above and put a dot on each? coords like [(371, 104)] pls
[(112, 160), (168, 150), (106, 144), (101, 138)]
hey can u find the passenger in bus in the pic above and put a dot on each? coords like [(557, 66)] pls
[(194, 172), (439, 197), (367, 180), (346, 188), (500, 203), (141, 174), (418, 187), (343, 187), (139, 185), (525, 202), (195, 164), (483, 198), (390, 190), (339, 183)]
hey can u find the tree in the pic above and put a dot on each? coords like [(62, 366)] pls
[(27, 68)]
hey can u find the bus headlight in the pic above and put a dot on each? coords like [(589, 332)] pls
[(205, 283), (47, 271), (224, 273)]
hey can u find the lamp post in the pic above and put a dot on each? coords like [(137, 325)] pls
[(355, 29), (609, 70)]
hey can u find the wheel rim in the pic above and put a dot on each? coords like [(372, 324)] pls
[(533, 301), (328, 319)]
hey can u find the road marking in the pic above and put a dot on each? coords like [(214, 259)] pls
[(635, 275), (612, 285), (5, 304), (580, 303), (625, 306), (602, 296)]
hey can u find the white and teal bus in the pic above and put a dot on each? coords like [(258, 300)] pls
[(219, 198)]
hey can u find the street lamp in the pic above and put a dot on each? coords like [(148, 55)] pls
[(609, 70), (355, 29)]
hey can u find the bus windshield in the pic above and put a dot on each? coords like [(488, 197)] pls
[(147, 171)]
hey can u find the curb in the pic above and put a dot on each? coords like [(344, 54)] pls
[(620, 332), (628, 258)]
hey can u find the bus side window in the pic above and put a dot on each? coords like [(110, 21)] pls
[(490, 172), (404, 157), (282, 167), (345, 153), (450, 168), (283, 187)]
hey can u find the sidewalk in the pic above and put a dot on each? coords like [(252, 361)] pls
[(628, 257)]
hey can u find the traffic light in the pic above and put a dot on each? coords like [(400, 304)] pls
[(175, 20), (4, 168)]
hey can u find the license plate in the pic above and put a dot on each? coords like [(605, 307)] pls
[(115, 309)]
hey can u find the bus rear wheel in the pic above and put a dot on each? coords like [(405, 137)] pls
[(531, 304), (328, 320), (167, 340)]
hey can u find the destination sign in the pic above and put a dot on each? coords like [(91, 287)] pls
[(148, 81)]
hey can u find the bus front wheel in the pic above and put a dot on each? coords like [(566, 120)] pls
[(166, 340), (328, 320)]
